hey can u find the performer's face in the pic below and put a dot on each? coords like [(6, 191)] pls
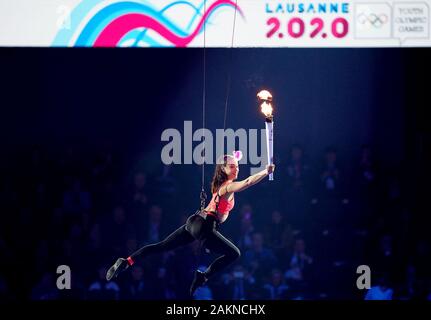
[(231, 168)]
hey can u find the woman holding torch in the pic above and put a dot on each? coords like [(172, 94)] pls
[(204, 225)]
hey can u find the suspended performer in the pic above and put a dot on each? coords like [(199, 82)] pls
[(204, 224)]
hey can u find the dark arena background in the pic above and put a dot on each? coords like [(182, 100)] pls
[(82, 181)]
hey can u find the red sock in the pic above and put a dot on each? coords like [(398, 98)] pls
[(130, 261)]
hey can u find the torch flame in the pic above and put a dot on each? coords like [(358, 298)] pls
[(266, 109), (265, 95)]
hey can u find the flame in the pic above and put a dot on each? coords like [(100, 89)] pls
[(266, 109), (265, 95)]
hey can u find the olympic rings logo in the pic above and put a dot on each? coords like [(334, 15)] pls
[(377, 21)]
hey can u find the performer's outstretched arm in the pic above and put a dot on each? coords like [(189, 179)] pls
[(246, 183)]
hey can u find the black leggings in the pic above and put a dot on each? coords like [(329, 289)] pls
[(197, 228)]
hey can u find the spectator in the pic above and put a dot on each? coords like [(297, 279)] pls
[(277, 231), (166, 184), (159, 285), (153, 230), (330, 174), (138, 198), (100, 289), (385, 259), (118, 226), (259, 259), (140, 192), (275, 289), (300, 263), (131, 245), (96, 251), (239, 284), (135, 288), (297, 169), (246, 230)]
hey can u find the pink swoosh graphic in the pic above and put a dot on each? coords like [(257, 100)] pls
[(114, 31)]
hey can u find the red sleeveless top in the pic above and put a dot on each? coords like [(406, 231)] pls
[(224, 205)]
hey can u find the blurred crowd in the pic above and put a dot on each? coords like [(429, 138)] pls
[(302, 236)]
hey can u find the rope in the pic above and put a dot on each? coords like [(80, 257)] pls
[(229, 77), (203, 195)]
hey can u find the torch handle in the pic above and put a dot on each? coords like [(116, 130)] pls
[(270, 144)]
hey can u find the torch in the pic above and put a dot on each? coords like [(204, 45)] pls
[(265, 99)]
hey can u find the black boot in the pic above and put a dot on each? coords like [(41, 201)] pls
[(198, 281), (119, 266)]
